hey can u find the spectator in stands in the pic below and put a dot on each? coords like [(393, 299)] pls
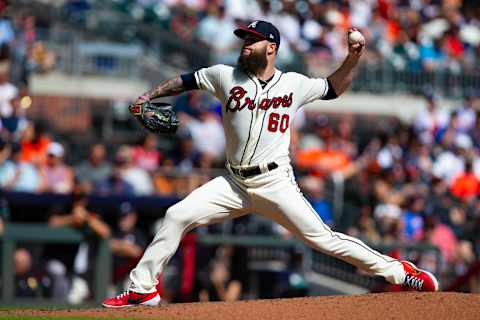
[(289, 25), (457, 220), (316, 132), (8, 91), (26, 29), (314, 188), (419, 159), (29, 282), (345, 137), (207, 133), (448, 164), (312, 28), (442, 236), (146, 154), (14, 124), (164, 178), (466, 113), (7, 35), (390, 153), (7, 168), (24, 38), (475, 131), (189, 104), (406, 54), (186, 156), (63, 261), (452, 133), (463, 223), (115, 184), (95, 169), (127, 242), (388, 219), (242, 10), (216, 32), (136, 176), (429, 120), (466, 186), (21, 176), (178, 174), (454, 48), (432, 54), (412, 218), (366, 228), (58, 177), (222, 285), (293, 282), (40, 58), (184, 22), (324, 158), (35, 143)]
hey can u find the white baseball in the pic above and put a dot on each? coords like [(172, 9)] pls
[(356, 37)]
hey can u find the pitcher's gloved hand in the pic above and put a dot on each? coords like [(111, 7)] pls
[(157, 117)]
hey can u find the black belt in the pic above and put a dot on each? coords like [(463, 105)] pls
[(252, 171)]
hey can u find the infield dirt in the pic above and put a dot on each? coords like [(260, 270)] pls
[(407, 305)]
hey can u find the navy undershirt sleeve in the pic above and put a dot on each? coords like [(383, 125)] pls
[(331, 94), (189, 82)]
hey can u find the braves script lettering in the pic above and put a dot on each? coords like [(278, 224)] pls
[(237, 101)]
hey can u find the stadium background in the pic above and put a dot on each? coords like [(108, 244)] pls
[(395, 162)]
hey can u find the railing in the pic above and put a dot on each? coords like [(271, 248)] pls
[(128, 61), (81, 58), (41, 233), (273, 247), (384, 79), (261, 249), (111, 59), (330, 266)]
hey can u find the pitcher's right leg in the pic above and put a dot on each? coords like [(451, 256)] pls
[(217, 200), (284, 203)]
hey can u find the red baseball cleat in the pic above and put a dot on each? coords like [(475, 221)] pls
[(130, 299), (418, 279)]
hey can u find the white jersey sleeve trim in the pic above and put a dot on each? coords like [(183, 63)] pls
[(326, 88), (197, 80)]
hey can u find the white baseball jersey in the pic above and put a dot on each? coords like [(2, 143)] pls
[(257, 120)]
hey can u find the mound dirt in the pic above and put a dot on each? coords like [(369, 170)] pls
[(409, 305)]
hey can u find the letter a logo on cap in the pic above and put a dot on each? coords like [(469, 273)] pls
[(253, 25)]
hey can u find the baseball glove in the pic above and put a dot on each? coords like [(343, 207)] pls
[(157, 117)]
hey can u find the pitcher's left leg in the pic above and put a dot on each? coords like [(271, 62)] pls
[(285, 204)]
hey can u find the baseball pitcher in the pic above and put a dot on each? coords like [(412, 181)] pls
[(259, 104)]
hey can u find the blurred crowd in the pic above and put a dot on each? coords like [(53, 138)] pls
[(410, 35), (22, 52)]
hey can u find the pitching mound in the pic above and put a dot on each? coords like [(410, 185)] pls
[(382, 306)]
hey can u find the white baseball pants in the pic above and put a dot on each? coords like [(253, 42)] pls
[(274, 195)]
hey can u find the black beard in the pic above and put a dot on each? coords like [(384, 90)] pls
[(253, 62)]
